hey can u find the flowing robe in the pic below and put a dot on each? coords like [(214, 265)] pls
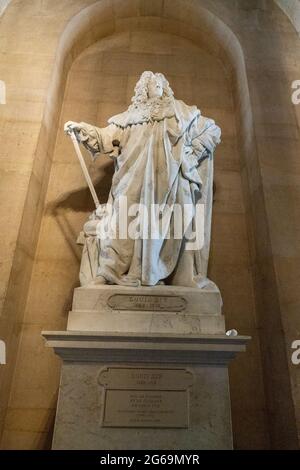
[(163, 161)]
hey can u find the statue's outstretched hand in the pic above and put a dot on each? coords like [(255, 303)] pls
[(71, 126)]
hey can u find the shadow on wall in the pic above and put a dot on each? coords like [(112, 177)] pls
[(79, 200), (45, 440)]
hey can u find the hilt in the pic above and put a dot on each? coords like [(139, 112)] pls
[(116, 149)]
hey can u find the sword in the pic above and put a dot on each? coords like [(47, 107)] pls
[(84, 168)]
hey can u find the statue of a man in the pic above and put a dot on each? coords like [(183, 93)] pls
[(163, 159)]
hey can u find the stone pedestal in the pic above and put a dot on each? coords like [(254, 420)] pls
[(144, 369)]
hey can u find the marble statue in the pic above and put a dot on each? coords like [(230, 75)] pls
[(163, 154)]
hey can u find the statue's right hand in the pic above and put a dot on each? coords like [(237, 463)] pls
[(71, 126)]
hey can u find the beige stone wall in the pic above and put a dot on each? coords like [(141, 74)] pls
[(256, 228), (272, 61), (29, 65)]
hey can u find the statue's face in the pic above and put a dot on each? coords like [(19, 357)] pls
[(155, 88)]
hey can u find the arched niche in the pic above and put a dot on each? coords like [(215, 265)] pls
[(106, 19), (185, 19), (102, 28)]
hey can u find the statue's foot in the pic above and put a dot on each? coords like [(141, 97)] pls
[(128, 281), (99, 280)]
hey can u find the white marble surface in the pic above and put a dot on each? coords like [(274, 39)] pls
[(99, 337), (163, 156), (82, 394), (78, 419), (206, 301), (202, 312), (90, 346)]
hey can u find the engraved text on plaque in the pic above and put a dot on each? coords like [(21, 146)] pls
[(156, 303), (145, 397)]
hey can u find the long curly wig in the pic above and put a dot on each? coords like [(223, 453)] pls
[(141, 89)]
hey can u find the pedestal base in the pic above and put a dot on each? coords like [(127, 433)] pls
[(147, 309), (126, 385)]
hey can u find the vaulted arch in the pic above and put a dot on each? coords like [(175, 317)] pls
[(205, 24)]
